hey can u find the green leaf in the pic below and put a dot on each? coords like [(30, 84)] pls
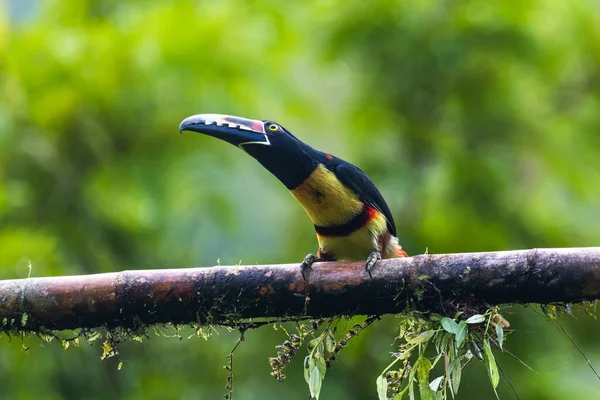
[(490, 363), (449, 325), (500, 335), (435, 317), (461, 334), (411, 383), (314, 372), (455, 374), (446, 339), (423, 366), (476, 319), (329, 342), (438, 340), (382, 387), (309, 364), (314, 382), (321, 365), (320, 348), (421, 337)]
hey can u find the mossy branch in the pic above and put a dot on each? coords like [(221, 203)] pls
[(228, 295)]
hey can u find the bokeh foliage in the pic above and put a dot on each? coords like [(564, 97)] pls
[(480, 122)]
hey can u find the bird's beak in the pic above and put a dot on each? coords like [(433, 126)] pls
[(235, 130)]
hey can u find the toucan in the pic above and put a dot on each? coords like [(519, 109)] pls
[(350, 216)]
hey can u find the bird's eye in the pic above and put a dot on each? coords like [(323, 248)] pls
[(273, 127)]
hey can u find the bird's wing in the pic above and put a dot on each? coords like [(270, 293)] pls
[(353, 177)]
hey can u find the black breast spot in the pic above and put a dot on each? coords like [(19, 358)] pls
[(318, 196)]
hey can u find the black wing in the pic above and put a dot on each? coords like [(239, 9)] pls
[(353, 177)]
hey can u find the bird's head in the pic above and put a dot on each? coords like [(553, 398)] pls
[(271, 144)]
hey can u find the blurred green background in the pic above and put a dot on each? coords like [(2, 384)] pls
[(479, 122)]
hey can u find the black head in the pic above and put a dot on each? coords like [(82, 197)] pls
[(271, 144)]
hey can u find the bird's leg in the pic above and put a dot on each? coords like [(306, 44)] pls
[(309, 260), (371, 261)]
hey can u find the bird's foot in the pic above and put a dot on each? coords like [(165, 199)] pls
[(371, 261), (309, 260)]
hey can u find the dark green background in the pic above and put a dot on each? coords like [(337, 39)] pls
[(478, 121)]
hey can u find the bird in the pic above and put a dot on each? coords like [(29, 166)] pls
[(350, 216)]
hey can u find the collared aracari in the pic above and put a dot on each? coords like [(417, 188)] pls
[(351, 218)]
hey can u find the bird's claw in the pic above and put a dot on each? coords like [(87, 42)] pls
[(371, 261), (309, 260)]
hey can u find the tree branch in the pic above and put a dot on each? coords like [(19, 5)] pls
[(229, 294)]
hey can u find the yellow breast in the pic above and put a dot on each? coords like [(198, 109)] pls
[(357, 245), (327, 201)]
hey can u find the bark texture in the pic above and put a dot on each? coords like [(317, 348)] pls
[(229, 294)]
